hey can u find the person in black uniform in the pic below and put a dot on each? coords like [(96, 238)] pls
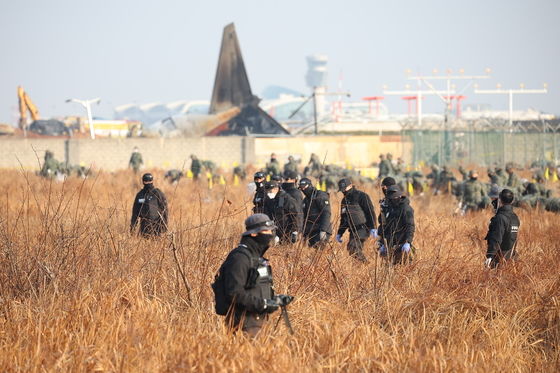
[(356, 215), (396, 227), (289, 186), (150, 207), (316, 214), (502, 233), (260, 193), (284, 210), (243, 287), (384, 203)]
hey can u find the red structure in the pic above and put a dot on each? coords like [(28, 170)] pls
[(376, 99), (409, 100), (458, 98)]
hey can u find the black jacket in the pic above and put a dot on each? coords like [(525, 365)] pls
[(503, 230), (258, 200), (396, 226), (291, 189), (244, 285), (316, 211), (356, 212), (285, 212), (150, 207)]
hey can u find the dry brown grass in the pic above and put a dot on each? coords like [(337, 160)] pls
[(78, 293)]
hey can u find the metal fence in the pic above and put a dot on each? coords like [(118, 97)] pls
[(484, 142)]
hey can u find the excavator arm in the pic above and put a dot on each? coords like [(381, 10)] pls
[(25, 105)]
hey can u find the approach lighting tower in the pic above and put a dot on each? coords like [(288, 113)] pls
[(370, 100), (510, 93), (417, 95), (450, 79)]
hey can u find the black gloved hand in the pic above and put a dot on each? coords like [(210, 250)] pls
[(283, 300), (294, 237), (271, 305)]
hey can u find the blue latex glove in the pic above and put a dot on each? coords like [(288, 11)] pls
[(382, 250), (373, 233), (338, 238), (405, 248)]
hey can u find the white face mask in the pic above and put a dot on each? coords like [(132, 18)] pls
[(271, 195)]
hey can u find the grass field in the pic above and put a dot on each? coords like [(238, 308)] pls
[(78, 293)]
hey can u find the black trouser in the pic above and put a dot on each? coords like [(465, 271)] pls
[(314, 239), (397, 256), (356, 243), (150, 228), (502, 256), (249, 323)]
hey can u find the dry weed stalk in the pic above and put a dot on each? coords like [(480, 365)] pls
[(78, 293)]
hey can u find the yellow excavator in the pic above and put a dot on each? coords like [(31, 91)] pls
[(25, 105)]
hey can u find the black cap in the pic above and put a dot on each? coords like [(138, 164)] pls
[(304, 183), (259, 175), (343, 183), (388, 181), (257, 223), (290, 174), (271, 185), (394, 192), (147, 178), (506, 196)]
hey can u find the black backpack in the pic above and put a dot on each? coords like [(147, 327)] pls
[(221, 304)]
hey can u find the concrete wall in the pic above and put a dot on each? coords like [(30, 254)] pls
[(27, 153), (360, 151), (113, 154)]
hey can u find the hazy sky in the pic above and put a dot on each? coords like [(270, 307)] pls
[(144, 50)]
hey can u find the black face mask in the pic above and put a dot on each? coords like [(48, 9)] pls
[(307, 191), (394, 201), (474, 178), (263, 240), (259, 184)]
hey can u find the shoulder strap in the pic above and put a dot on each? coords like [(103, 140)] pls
[(281, 200), (316, 199), (243, 249)]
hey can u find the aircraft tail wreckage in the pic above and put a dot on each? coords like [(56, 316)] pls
[(232, 90)]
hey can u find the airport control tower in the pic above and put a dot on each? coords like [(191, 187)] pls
[(316, 79)]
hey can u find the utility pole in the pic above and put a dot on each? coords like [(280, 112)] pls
[(87, 105)]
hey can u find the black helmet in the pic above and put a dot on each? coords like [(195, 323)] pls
[(271, 185), (259, 175), (388, 181), (289, 174), (276, 178), (394, 192), (343, 184), (147, 178), (304, 183)]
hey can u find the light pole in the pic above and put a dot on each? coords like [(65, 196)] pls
[(87, 104)]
